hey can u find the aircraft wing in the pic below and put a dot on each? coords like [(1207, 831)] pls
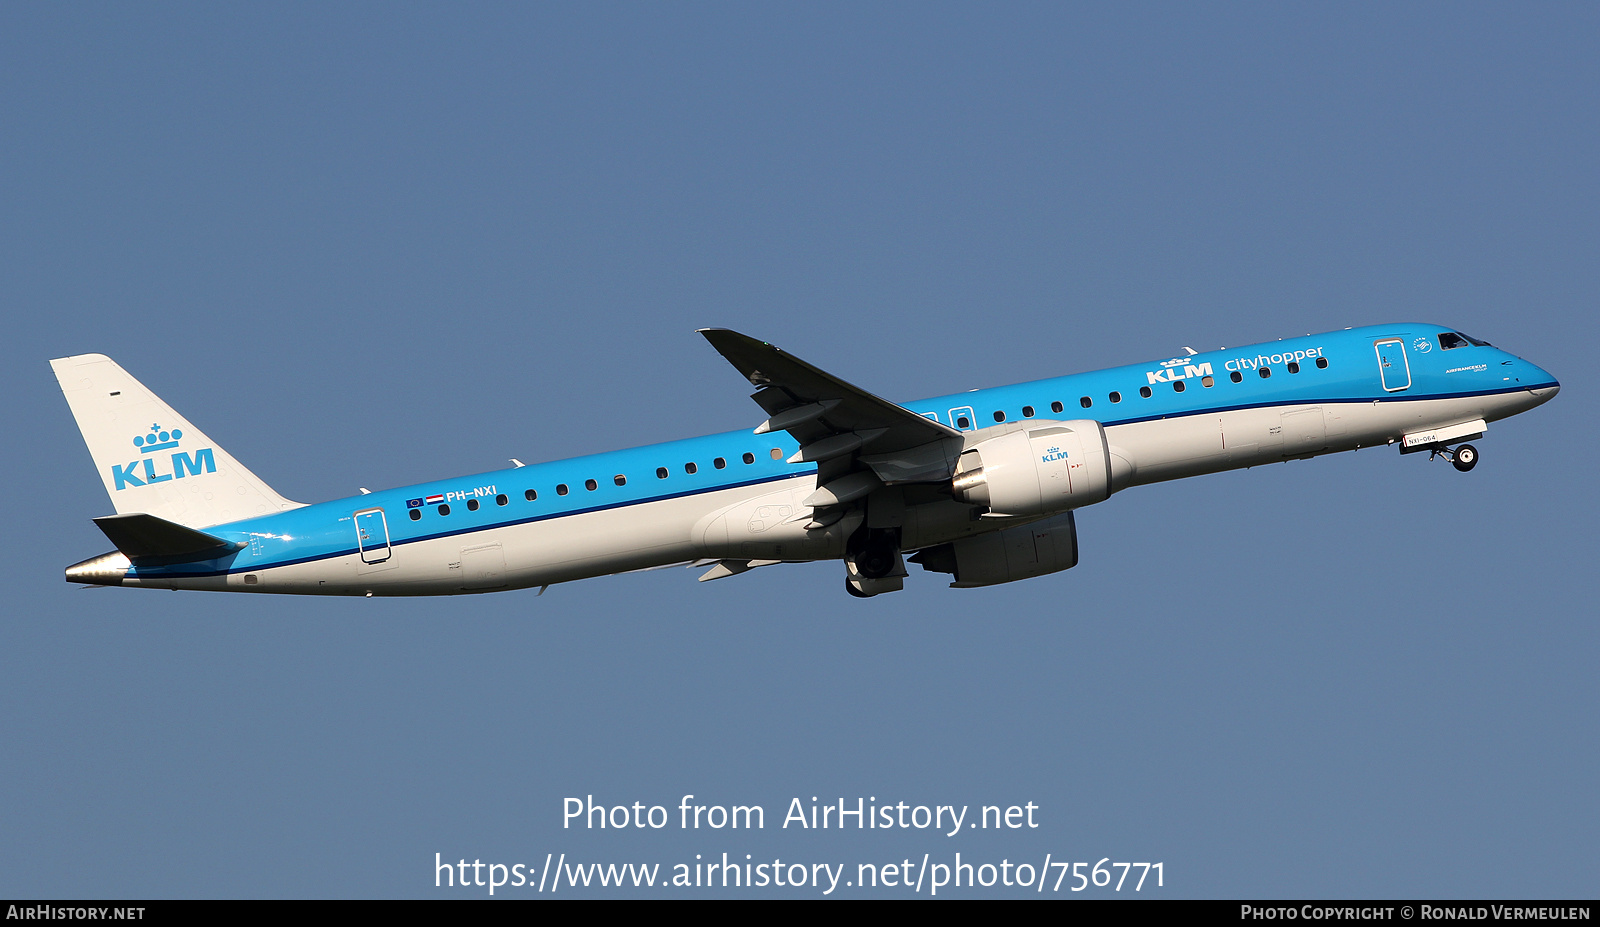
[(858, 440)]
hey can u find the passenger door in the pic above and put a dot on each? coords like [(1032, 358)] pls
[(1392, 365)]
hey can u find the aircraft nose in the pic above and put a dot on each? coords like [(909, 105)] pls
[(1546, 385)]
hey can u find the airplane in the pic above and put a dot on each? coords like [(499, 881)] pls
[(980, 485)]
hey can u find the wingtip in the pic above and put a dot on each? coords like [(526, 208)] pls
[(720, 337), (725, 340)]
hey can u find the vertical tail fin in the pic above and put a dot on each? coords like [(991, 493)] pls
[(151, 459)]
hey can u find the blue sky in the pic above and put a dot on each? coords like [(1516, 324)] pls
[(367, 245)]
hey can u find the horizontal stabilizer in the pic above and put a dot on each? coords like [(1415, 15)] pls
[(151, 541)]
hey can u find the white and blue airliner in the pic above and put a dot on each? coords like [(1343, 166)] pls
[(981, 485)]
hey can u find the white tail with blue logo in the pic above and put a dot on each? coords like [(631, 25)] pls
[(153, 460)]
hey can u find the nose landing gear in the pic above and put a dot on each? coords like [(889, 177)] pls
[(1463, 458)]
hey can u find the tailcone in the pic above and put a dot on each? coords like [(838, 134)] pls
[(104, 570)]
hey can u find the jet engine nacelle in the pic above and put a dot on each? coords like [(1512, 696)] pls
[(1052, 467), (1023, 552)]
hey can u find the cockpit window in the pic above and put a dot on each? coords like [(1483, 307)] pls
[(1481, 344), (1450, 341)]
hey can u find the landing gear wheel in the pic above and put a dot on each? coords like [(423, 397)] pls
[(1466, 457), (875, 553), (875, 562), (850, 588)]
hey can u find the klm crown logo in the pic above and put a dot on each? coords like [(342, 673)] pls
[(144, 471), (157, 440)]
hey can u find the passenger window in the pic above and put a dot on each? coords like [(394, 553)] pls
[(444, 509), (416, 514), (1294, 367), (962, 422), (1086, 402), (1265, 372), (1027, 411), (1177, 386), (530, 495), (561, 489), (472, 505), (620, 480), (590, 485), (1116, 397), (1322, 362), (719, 463), (1056, 407), (777, 454), (1144, 391), (690, 468), (501, 499), (661, 473), (1236, 377), (1207, 382), (749, 458), (999, 416)]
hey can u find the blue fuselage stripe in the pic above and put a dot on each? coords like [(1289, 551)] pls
[(322, 531)]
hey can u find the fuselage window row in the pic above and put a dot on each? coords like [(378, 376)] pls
[(531, 495), (1178, 386)]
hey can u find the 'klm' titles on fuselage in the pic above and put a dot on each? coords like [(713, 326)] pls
[(182, 465), (1170, 371)]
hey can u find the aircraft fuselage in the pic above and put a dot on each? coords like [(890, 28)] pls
[(741, 498)]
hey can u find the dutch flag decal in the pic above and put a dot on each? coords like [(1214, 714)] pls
[(434, 500)]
